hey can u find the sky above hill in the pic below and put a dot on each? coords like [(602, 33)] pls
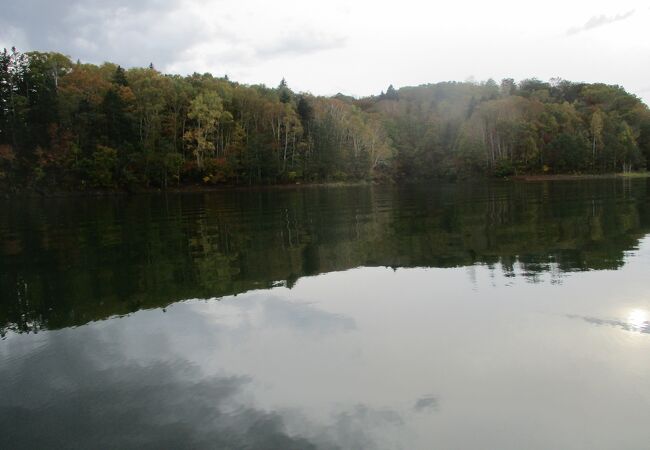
[(356, 48)]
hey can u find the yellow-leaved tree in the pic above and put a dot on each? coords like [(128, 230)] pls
[(205, 111)]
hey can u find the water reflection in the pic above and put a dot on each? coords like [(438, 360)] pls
[(347, 360), (637, 321), (66, 262), (365, 318), (427, 403), (129, 383), (94, 397)]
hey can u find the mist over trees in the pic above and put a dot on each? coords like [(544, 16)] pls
[(69, 125)]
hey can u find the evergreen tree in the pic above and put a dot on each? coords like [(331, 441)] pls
[(391, 93)]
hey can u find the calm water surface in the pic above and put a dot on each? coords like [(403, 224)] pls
[(501, 316)]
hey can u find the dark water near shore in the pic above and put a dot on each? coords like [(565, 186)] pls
[(505, 315)]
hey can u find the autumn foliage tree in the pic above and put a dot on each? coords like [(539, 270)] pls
[(67, 125)]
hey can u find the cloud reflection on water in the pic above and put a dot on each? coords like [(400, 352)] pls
[(636, 322)]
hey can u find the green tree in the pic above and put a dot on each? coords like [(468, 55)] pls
[(205, 110), (596, 128)]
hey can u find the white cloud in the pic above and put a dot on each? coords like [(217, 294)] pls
[(599, 21), (355, 47)]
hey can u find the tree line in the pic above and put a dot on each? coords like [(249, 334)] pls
[(70, 125)]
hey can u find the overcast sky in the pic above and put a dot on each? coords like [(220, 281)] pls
[(354, 47)]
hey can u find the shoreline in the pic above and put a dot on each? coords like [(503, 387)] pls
[(571, 177), (198, 188), (183, 189)]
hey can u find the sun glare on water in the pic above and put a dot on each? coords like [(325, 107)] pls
[(638, 320)]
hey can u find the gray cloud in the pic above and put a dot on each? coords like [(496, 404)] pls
[(165, 32), (129, 33), (273, 312), (637, 328), (96, 398), (301, 43), (356, 427), (599, 21), (426, 403), (304, 318), (353, 429)]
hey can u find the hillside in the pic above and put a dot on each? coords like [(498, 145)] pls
[(74, 126)]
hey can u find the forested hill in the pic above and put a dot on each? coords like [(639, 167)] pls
[(74, 126)]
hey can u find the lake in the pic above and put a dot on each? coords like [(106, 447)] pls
[(485, 315)]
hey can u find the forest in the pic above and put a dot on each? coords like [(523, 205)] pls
[(67, 125)]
